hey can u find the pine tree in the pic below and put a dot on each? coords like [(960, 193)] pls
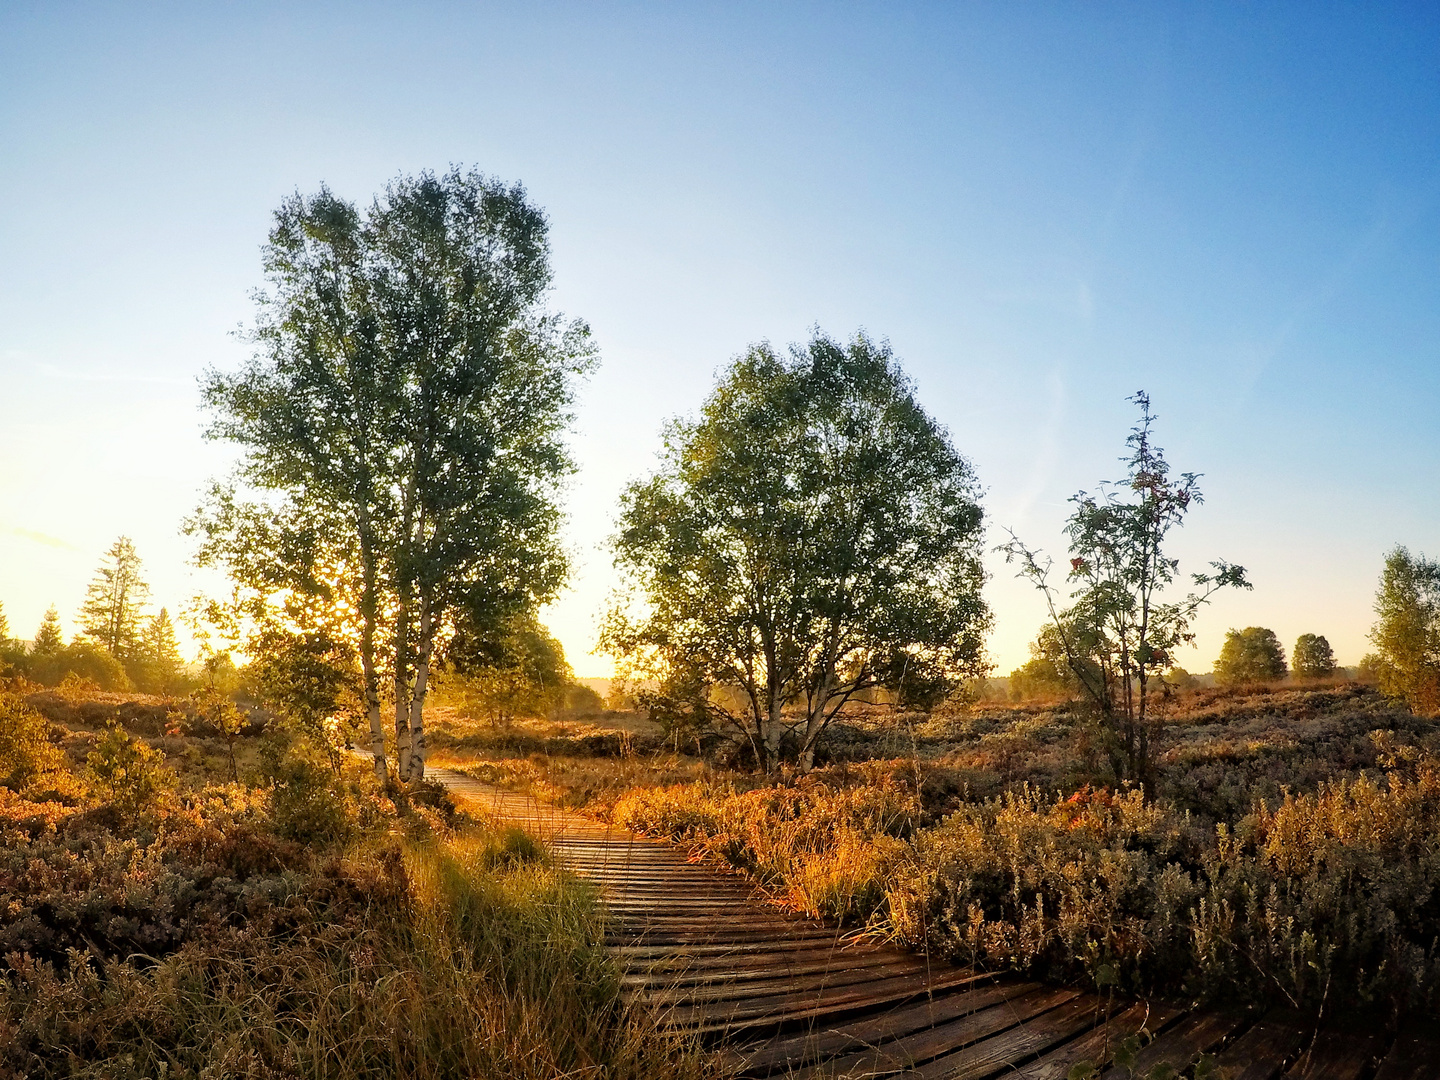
[(4, 626), (112, 611), (159, 653), (48, 639)]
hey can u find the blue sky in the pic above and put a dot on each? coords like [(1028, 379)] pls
[(1043, 207)]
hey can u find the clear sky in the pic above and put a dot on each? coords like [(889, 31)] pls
[(1043, 207)]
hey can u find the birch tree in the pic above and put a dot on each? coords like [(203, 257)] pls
[(812, 535), (401, 426)]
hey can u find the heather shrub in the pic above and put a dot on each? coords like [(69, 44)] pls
[(823, 846), (1332, 895), (1091, 887), (309, 801), (214, 946)]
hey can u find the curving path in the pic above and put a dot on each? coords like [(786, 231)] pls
[(780, 994)]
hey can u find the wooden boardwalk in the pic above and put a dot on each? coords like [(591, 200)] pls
[(783, 995)]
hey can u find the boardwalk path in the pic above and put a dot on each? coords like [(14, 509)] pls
[(780, 994)]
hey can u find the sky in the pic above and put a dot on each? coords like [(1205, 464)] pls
[(1042, 207)]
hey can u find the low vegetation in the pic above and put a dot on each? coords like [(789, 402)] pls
[(172, 923), (1288, 854)]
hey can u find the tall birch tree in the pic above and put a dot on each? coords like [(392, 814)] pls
[(401, 426)]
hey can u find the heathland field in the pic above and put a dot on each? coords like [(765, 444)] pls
[(1289, 851)]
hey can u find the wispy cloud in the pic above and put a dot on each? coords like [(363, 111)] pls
[(44, 539)]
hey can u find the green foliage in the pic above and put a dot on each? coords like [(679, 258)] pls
[(404, 413), (115, 602), (311, 681), (1048, 672), (1117, 633), (84, 660), (1252, 655), (131, 774), (217, 710), (582, 700), (812, 535), (308, 799), (1407, 633), (27, 756), (1313, 658), (512, 670)]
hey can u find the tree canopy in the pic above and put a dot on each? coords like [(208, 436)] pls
[(401, 423), (1252, 655), (1407, 632), (812, 534), (1312, 657)]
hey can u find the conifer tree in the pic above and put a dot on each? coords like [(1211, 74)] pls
[(113, 607), (4, 626), (160, 656), (49, 640)]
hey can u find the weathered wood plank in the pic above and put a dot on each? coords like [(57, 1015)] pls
[(767, 1010), (1413, 1057), (1262, 1051), (899, 1054), (1098, 1045), (1000, 1053), (1333, 1056), (791, 1051), (677, 984), (744, 987), (1196, 1034)]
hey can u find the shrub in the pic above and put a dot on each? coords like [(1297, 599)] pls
[(1330, 896), (27, 756), (130, 773), (308, 802)]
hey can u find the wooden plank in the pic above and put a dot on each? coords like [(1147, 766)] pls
[(746, 985), (789, 1008), (659, 936), (1262, 1051), (641, 950), (1098, 1046), (898, 1054), (790, 1051), (1336, 1056), (1001, 1052), (1413, 1057), (758, 968), (1197, 1034)]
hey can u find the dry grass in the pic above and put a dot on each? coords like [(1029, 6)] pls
[(214, 931)]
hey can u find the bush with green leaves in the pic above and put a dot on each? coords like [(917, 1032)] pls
[(27, 756), (131, 774)]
